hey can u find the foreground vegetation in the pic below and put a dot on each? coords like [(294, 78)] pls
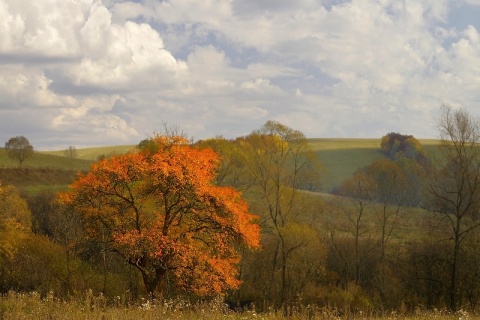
[(87, 306)]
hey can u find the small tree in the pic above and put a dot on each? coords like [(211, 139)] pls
[(71, 152), (19, 148)]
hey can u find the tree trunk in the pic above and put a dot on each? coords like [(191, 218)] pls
[(455, 267), (152, 280)]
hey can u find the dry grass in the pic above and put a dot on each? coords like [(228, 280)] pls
[(33, 306)]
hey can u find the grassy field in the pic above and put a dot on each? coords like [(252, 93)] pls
[(92, 154), (42, 160), (41, 172), (340, 159), (32, 306), (51, 170)]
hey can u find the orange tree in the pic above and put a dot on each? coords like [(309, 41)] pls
[(161, 212)]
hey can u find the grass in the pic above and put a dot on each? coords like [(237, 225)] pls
[(340, 159), (92, 154), (42, 160), (33, 306), (41, 172)]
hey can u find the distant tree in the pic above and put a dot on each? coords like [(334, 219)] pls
[(395, 145), (71, 152), (19, 148)]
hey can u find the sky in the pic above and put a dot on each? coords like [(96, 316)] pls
[(90, 73)]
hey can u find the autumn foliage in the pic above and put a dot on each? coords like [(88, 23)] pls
[(161, 212)]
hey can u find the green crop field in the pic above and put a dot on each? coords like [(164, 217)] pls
[(43, 160), (51, 170)]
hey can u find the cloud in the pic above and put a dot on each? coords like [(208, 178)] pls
[(20, 87), (106, 72), (473, 2), (41, 28)]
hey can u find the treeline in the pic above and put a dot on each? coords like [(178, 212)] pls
[(401, 233)]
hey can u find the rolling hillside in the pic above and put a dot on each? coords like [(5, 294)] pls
[(40, 172), (92, 154), (44, 160), (340, 158)]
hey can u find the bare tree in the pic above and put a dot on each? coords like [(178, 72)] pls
[(454, 187), (71, 152), (358, 191)]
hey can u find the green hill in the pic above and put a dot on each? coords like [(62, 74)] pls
[(93, 154), (340, 159), (51, 170), (40, 172), (44, 160)]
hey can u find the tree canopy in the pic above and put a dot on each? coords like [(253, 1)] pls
[(19, 148), (395, 145), (162, 213)]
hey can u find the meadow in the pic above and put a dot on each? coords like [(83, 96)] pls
[(51, 170)]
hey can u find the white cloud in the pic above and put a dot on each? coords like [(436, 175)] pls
[(473, 2), (28, 86), (119, 69), (41, 28), (126, 57)]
